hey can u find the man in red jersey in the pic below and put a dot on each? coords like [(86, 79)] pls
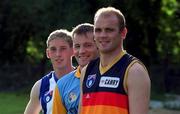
[(117, 82)]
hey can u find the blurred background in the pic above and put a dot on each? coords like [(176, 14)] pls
[(153, 36)]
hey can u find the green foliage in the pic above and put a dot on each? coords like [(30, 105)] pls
[(168, 41), (169, 7), (33, 50)]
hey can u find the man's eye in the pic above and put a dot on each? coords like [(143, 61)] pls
[(88, 45), (76, 46), (109, 30), (53, 49), (63, 48), (97, 30)]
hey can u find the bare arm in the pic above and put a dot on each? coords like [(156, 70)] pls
[(138, 85), (33, 106)]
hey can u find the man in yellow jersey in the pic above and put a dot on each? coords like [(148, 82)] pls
[(67, 92), (117, 82)]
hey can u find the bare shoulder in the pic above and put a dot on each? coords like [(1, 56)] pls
[(138, 69), (36, 89), (138, 75)]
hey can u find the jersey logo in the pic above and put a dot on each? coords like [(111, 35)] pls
[(48, 96), (90, 80), (87, 96), (72, 97), (109, 82)]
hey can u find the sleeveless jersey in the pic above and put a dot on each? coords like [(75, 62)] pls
[(105, 93), (48, 84), (67, 94)]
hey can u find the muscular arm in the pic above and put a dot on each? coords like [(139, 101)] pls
[(33, 106), (138, 85)]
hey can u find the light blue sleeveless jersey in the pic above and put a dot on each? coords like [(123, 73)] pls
[(48, 85), (69, 90)]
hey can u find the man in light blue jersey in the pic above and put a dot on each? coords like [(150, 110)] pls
[(67, 93), (59, 51)]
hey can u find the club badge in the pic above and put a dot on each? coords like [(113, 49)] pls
[(48, 96), (90, 80), (72, 97)]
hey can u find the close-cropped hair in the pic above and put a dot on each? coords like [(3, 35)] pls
[(60, 34), (107, 11), (82, 29)]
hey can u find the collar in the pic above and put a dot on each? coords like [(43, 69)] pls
[(117, 58), (78, 72)]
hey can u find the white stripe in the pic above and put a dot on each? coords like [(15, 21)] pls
[(52, 87)]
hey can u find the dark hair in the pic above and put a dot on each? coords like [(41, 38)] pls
[(82, 29)]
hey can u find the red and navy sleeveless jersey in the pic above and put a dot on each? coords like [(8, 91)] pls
[(105, 93)]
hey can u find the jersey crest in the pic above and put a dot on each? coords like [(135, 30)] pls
[(48, 96), (72, 97), (90, 80)]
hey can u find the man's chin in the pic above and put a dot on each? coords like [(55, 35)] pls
[(84, 64), (60, 67)]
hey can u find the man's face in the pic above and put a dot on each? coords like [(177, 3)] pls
[(84, 48), (59, 52), (107, 33)]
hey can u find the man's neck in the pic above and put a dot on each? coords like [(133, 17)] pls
[(107, 58), (61, 72)]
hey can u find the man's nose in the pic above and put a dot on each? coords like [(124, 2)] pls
[(81, 49), (103, 33), (58, 52)]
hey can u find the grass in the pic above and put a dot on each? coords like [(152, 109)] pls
[(13, 102)]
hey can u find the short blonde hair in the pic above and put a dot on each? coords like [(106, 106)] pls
[(106, 11), (60, 34)]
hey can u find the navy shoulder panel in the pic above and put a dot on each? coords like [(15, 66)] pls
[(45, 84)]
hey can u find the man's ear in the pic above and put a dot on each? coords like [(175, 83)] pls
[(123, 33), (47, 53)]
